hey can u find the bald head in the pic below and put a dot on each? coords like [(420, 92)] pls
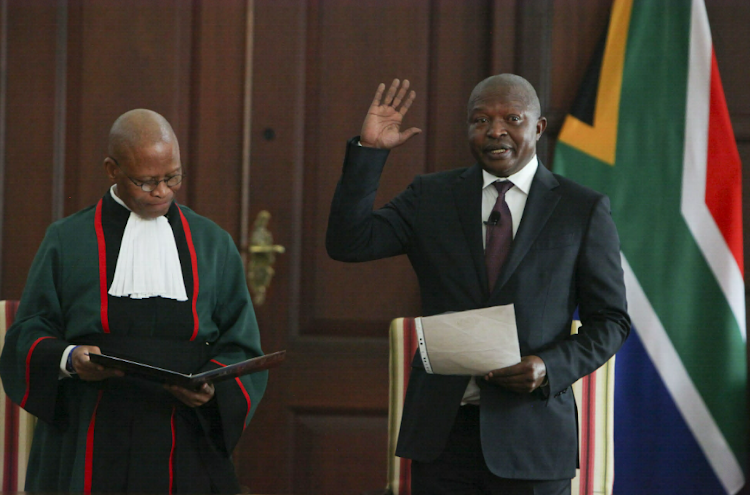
[(504, 124), (144, 159), (521, 87), (139, 129)]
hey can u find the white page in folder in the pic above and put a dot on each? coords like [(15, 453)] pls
[(472, 342)]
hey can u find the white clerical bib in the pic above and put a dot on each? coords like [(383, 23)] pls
[(148, 264)]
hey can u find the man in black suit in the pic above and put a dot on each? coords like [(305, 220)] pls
[(514, 430)]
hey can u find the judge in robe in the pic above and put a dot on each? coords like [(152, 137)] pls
[(140, 277)]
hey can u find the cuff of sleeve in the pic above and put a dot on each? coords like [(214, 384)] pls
[(66, 365), (544, 388)]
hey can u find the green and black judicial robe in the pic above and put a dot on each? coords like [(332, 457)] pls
[(125, 434)]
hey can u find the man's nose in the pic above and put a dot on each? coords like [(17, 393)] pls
[(497, 129), (162, 189)]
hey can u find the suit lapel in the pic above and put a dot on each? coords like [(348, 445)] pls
[(539, 205), (467, 196)]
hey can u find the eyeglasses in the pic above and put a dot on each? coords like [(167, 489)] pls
[(150, 185)]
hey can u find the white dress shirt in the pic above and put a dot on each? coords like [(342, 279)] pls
[(516, 200)]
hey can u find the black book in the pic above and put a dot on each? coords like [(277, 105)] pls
[(191, 381)]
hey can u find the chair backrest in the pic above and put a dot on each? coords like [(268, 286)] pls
[(594, 395), (17, 425), (403, 342)]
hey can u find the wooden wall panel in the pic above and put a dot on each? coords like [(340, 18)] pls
[(343, 374), (140, 61), (732, 47), (311, 89), (502, 46), (30, 101), (216, 111), (344, 78), (276, 179), (460, 53), (328, 445), (277, 168)]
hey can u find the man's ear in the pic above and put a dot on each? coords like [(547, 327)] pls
[(541, 125), (110, 167)]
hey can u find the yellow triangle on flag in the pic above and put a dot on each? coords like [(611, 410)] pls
[(600, 140)]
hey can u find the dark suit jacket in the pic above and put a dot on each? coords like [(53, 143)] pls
[(565, 255)]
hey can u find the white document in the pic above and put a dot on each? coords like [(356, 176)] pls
[(471, 342)]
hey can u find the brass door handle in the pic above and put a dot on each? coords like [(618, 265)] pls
[(261, 257)]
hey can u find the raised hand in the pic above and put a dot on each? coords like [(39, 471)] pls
[(382, 125)]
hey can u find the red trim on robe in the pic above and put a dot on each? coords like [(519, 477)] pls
[(102, 266), (244, 392), (28, 369), (194, 264), (171, 455), (89, 461)]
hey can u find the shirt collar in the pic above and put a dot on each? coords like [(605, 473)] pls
[(521, 179), (113, 192)]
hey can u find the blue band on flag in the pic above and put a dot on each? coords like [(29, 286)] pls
[(655, 452)]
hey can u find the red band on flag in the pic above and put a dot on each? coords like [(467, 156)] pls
[(724, 170)]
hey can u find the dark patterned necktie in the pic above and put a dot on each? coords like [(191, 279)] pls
[(499, 234)]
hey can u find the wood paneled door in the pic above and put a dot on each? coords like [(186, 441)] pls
[(316, 64)]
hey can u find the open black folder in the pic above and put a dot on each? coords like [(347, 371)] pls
[(191, 381)]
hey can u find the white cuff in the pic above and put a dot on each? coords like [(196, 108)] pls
[(64, 360)]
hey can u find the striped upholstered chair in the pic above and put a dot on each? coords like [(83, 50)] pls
[(594, 395), (17, 425)]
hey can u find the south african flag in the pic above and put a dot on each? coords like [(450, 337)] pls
[(650, 128)]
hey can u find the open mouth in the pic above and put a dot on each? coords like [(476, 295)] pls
[(498, 152)]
